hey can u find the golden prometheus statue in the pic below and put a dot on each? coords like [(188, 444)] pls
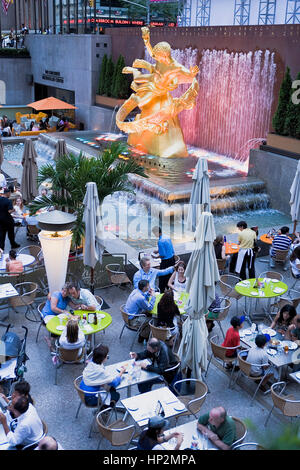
[(156, 130)]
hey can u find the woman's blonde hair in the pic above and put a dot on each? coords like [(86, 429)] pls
[(72, 331)]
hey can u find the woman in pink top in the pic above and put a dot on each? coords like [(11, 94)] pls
[(13, 265)]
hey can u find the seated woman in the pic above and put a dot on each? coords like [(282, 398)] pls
[(72, 336), (295, 262), (17, 214), (153, 437), (20, 389), (232, 338), (167, 311), (14, 265), (177, 281), (96, 379), (284, 322), (57, 302)]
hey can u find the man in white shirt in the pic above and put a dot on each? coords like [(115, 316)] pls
[(82, 299), (26, 427), (260, 358)]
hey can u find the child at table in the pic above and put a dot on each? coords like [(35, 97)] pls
[(284, 322), (232, 338), (72, 336)]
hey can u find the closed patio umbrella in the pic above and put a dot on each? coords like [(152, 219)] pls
[(1, 152), (200, 197), (93, 246), (29, 187), (61, 149), (202, 273), (295, 198)]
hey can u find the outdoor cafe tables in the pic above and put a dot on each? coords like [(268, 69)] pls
[(180, 298), (277, 356), (267, 239), (192, 438), (7, 290), (133, 375), (271, 288), (144, 406), (26, 260), (57, 324), (231, 248)]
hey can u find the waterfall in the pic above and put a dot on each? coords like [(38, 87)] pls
[(234, 102)]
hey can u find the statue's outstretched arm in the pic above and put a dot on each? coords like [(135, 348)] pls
[(143, 64), (146, 38)]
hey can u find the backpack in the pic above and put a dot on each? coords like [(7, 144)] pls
[(12, 344)]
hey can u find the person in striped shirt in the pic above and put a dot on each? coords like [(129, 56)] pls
[(280, 242)]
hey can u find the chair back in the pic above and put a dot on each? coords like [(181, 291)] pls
[(281, 255), (244, 366), (125, 315), (271, 275), (240, 431), (158, 332), (223, 310), (40, 309), (33, 229), (197, 399), (116, 433), (221, 264), (27, 293), (289, 407), (247, 446), (115, 275), (82, 393), (218, 350), (227, 284), (99, 300), (45, 427), (68, 356), (176, 366)]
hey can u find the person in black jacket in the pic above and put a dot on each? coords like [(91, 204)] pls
[(159, 354), (6, 220)]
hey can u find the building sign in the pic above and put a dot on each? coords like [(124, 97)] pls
[(52, 76), (121, 22)]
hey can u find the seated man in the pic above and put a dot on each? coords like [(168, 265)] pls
[(149, 274), (49, 443), (280, 242), (218, 427), (260, 358), (14, 265), (141, 300), (82, 299), (21, 423), (157, 352)]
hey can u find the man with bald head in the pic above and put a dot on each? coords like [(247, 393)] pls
[(49, 443), (218, 427)]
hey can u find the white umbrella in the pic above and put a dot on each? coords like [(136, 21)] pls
[(295, 197), (29, 187), (93, 246), (202, 273), (200, 197), (61, 149)]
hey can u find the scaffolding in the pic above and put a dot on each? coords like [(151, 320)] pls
[(292, 14), (266, 14), (203, 12), (241, 12), (184, 12)]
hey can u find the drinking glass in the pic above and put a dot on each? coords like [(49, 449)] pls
[(204, 441)]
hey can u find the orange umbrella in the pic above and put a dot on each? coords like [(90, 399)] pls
[(50, 104)]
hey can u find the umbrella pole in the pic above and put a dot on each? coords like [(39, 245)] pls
[(92, 280)]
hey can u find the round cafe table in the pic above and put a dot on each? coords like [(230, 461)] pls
[(88, 329), (231, 248), (268, 240), (271, 289), (180, 298)]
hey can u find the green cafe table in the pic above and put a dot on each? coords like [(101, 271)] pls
[(272, 288), (56, 325), (180, 298)]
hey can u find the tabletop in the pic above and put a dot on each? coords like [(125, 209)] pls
[(280, 358), (267, 239), (272, 288), (26, 260), (190, 434), (130, 378), (87, 329), (144, 406), (7, 290), (180, 298), (295, 376), (231, 248)]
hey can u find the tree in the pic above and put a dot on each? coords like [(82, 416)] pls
[(292, 120), (109, 76), (70, 175), (102, 75), (284, 98), (120, 86)]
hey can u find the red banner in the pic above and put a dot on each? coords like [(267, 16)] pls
[(5, 5)]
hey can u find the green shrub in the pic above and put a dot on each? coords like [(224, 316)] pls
[(284, 98), (11, 52), (102, 75), (109, 77)]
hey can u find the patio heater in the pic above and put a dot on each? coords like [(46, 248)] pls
[(55, 238)]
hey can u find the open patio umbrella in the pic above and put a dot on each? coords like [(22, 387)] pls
[(1, 152), (202, 273), (200, 197), (295, 198), (29, 187), (93, 246), (49, 104), (61, 149)]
